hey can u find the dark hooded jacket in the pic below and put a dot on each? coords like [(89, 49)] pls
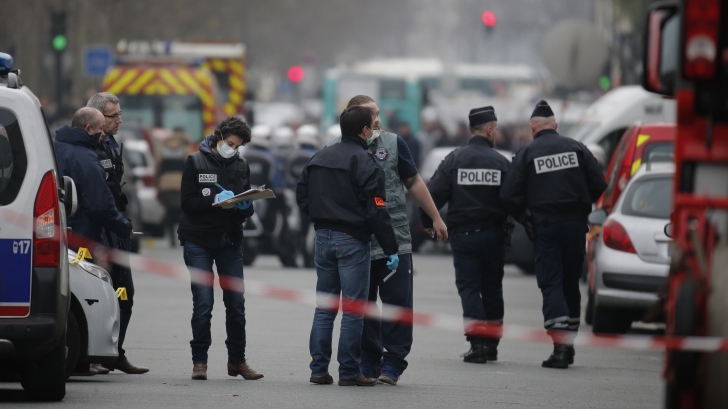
[(76, 157), (201, 223)]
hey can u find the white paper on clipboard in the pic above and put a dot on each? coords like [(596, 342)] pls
[(252, 194)]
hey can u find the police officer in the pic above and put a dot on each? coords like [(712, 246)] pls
[(214, 235), (551, 186), (470, 180), (385, 345), (342, 189), (110, 154)]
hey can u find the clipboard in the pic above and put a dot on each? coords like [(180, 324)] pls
[(252, 194)]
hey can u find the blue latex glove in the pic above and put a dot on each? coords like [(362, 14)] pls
[(244, 204), (224, 195), (393, 262)]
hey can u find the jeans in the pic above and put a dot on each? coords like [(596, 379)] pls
[(478, 257), (385, 339), (559, 260), (342, 267), (229, 261)]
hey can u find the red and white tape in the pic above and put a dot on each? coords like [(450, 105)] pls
[(370, 310)]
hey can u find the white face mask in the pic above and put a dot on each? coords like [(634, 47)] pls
[(375, 135), (226, 151)]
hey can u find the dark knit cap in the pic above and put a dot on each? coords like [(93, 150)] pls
[(482, 115), (542, 109)]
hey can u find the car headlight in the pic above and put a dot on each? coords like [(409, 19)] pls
[(95, 271)]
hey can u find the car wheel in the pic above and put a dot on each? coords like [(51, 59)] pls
[(249, 256), (45, 378), (287, 255), (527, 268), (685, 364), (611, 320), (589, 310), (73, 343)]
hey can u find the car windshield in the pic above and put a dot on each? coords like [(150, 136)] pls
[(658, 152), (165, 111), (582, 130), (649, 197)]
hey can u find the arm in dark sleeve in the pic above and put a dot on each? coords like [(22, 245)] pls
[(594, 176), (440, 187), (302, 191), (99, 202), (406, 165), (513, 189), (370, 178), (193, 202), (249, 211)]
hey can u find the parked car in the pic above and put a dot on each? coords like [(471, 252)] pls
[(632, 253), (93, 321), (606, 120), (34, 279)]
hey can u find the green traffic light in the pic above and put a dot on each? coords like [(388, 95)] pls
[(605, 83), (59, 42)]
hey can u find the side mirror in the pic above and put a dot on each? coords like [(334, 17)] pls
[(70, 199), (661, 40), (597, 217), (668, 230)]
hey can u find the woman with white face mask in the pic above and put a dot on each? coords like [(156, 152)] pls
[(215, 235)]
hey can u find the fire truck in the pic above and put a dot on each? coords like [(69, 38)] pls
[(686, 57)]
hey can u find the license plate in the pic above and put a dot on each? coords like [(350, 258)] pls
[(15, 277)]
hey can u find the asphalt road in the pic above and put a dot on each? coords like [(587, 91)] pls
[(278, 332)]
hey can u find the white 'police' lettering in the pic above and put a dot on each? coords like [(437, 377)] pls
[(556, 162), (487, 177), (106, 163), (208, 178)]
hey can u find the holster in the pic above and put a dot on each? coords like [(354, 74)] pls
[(526, 219)]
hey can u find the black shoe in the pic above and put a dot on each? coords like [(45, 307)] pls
[(491, 353), (476, 355), (572, 352), (322, 380), (559, 358)]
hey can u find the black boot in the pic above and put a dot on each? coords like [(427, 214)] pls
[(476, 354), (559, 358), (491, 352), (572, 352)]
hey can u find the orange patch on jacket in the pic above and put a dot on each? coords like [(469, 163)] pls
[(379, 201)]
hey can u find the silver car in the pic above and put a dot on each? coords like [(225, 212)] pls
[(632, 254)]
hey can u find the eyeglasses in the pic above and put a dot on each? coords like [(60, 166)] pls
[(117, 115)]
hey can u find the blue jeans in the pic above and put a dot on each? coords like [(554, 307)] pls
[(229, 261), (478, 258), (342, 267)]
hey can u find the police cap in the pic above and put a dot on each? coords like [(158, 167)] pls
[(542, 109), (483, 115)]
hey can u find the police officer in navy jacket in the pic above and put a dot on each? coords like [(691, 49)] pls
[(552, 184), (469, 179)]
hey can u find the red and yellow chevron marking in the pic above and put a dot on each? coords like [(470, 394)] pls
[(235, 69), (165, 81)]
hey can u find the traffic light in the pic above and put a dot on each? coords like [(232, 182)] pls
[(59, 41), (489, 19), (296, 73)]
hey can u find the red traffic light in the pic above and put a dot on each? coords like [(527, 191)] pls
[(296, 73), (489, 18)]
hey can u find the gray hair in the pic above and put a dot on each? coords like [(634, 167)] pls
[(86, 116), (101, 99)]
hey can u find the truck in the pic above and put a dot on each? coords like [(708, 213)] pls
[(686, 56)]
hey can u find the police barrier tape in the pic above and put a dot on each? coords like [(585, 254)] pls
[(367, 309)]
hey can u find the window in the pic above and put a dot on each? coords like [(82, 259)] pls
[(183, 111), (13, 160), (609, 143), (658, 152), (621, 149), (649, 197), (392, 90)]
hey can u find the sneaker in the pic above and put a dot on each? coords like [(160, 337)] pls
[(389, 375), (476, 355), (371, 371)]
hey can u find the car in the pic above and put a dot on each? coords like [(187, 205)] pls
[(606, 120), (140, 175), (632, 252), (35, 295), (92, 333)]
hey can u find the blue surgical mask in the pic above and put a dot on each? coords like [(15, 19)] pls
[(375, 135), (226, 151)]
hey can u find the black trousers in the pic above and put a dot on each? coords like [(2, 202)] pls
[(121, 277), (559, 250), (479, 257)]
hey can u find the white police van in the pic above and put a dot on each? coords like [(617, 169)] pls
[(37, 300)]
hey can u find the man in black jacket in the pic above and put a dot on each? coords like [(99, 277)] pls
[(342, 189), (215, 235), (552, 184)]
